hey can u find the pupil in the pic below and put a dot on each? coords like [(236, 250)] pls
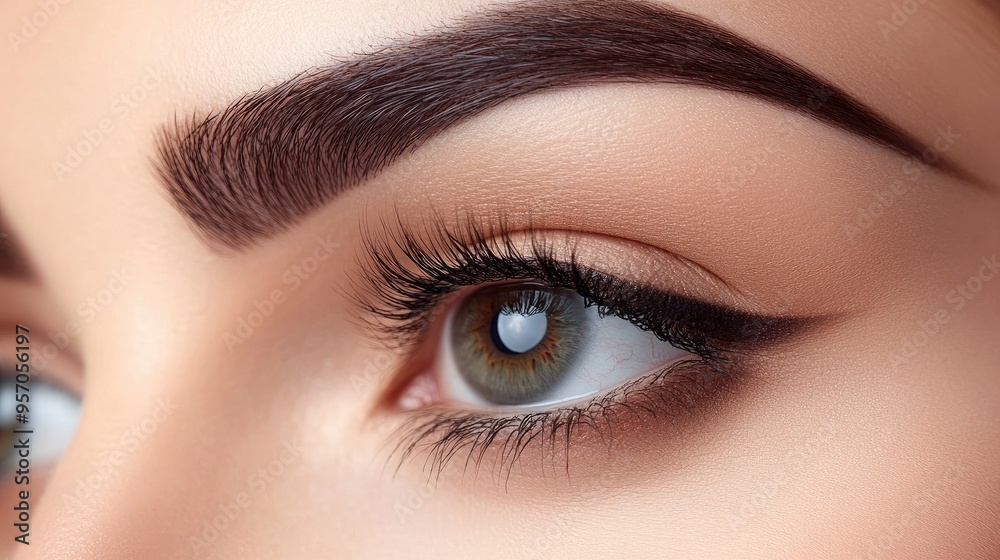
[(515, 333)]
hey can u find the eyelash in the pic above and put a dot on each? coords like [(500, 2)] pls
[(406, 277)]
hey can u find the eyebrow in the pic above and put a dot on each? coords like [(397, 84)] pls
[(12, 262), (257, 167)]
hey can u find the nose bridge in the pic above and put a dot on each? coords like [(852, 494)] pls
[(189, 448), (121, 489), (105, 497)]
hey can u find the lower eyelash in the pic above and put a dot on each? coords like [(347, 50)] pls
[(441, 435)]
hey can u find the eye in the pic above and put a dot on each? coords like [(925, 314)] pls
[(530, 345), (502, 339), (53, 417)]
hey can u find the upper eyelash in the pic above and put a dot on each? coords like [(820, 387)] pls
[(402, 300)]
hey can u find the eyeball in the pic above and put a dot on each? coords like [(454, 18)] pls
[(53, 418), (528, 345)]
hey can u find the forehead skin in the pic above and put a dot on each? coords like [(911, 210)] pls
[(204, 55), (110, 74)]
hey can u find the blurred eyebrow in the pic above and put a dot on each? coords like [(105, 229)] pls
[(12, 261), (257, 167)]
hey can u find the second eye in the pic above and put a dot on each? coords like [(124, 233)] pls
[(528, 345)]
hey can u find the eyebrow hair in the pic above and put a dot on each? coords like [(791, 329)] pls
[(12, 261), (255, 168)]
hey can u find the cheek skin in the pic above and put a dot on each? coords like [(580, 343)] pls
[(10, 493)]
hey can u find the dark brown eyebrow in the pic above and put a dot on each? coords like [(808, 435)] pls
[(255, 168), (13, 264)]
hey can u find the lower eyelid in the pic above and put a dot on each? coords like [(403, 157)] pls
[(435, 436)]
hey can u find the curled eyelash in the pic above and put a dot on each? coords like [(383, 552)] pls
[(531, 302), (408, 275)]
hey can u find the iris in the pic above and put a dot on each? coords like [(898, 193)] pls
[(514, 343)]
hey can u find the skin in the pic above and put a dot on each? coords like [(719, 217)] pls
[(834, 448)]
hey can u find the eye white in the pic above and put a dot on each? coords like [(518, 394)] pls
[(53, 417)]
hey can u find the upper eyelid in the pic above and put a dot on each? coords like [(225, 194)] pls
[(401, 295), (64, 370), (392, 241), (59, 379)]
